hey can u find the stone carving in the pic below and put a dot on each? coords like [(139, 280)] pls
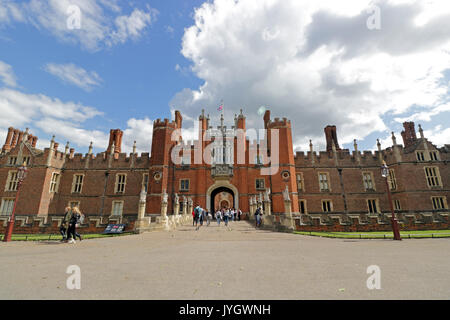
[(266, 195), (143, 195), (286, 194), (177, 199), (165, 196)]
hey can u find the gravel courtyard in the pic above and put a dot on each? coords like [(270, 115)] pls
[(220, 263)]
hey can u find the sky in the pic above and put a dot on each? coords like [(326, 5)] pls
[(78, 68)]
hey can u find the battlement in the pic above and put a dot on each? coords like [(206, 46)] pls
[(277, 123), (166, 123)]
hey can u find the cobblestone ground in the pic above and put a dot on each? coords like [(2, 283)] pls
[(226, 263)]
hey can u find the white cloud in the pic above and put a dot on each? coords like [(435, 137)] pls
[(438, 135), (101, 24), (7, 75), (139, 130), (74, 75), (131, 26), (316, 62)]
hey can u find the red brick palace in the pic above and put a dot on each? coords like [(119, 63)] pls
[(334, 181)]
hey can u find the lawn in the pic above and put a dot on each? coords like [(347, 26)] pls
[(47, 237), (379, 234)]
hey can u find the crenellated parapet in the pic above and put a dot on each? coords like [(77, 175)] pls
[(166, 123)]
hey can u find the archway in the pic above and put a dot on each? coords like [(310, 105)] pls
[(222, 197), (218, 187)]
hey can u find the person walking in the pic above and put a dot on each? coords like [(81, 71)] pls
[(197, 216), (65, 223), (218, 217), (71, 227), (208, 218), (239, 214), (258, 217), (193, 217), (225, 217), (79, 219), (202, 216)]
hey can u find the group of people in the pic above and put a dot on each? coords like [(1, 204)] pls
[(228, 214), (72, 219), (201, 215)]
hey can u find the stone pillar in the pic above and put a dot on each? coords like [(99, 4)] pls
[(176, 205), (164, 204), (288, 218), (190, 206), (142, 223), (288, 207), (252, 207), (185, 206), (267, 203)]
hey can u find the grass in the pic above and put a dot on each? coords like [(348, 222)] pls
[(47, 237), (379, 234)]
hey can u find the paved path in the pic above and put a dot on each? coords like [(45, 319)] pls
[(218, 263)]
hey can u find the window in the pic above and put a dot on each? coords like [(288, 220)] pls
[(74, 204), (392, 181), (26, 160), (184, 185), (121, 180), (434, 156), (420, 156), (300, 185), (260, 184), (439, 203), (12, 183), (12, 160), (397, 205), (77, 183), (327, 206), (258, 159), (368, 181), (117, 208), (145, 182), (6, 207), (302, 206), (433, 176), (54, 183), (323, 182), (372, 205)]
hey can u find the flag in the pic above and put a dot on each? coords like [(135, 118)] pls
[(220, 108)]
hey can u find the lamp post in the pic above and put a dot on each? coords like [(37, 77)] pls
[(21, 175), (385, 174)]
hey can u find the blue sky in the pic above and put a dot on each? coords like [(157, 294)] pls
[(143, 59)]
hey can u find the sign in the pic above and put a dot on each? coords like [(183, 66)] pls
[(114, 228)]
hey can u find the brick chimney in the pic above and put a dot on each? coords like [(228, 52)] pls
[(331, 136), (409, 134), (8, 141), (115, 137)]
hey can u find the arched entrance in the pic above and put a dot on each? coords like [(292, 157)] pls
[(219, 191), (222, 197)]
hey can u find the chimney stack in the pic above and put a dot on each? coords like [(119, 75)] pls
[(409, 134), (115, 141), (331, 137)]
